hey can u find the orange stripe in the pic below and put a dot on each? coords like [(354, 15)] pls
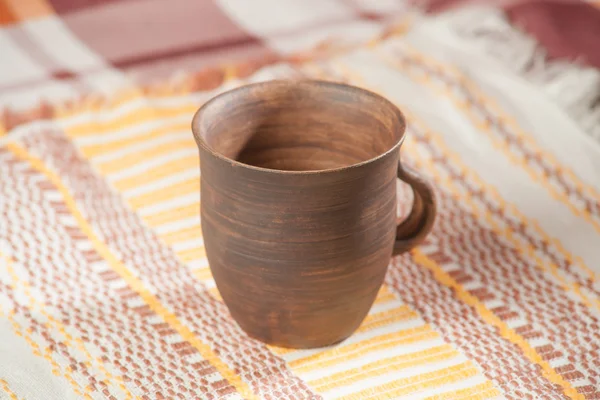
[(23, 10), (7, 15)]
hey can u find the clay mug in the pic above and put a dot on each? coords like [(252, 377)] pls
[(298, 205)]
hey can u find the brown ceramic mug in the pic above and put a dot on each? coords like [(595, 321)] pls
[(299, 205)]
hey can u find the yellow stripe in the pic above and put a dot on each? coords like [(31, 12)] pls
[(383, 318), (182, 235), (525, 251), (499, 144), (179, 189), (384, 295), (203, 273), (347, 352), (97, 103), (96, 150), (158, 172), (480, 392), (215, 293), (133, 282), (197, 253), (372, 321), (7, 390), (505, 331), (130, 160), (176, 214), (61, 328), (384, 366), (405, 386), (138, 116)]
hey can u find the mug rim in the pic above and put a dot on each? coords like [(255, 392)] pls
[(343, 86)]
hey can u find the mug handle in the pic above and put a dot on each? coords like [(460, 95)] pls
[(419, 222)]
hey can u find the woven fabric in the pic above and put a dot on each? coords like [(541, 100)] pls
[(105, 290)]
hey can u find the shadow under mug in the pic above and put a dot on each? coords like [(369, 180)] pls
[(299, 205)]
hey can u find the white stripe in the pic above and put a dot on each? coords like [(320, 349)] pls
[(388, 305), (136, 129), (107, 114), (209, 283), (180, 201), (179, 225), (394, 375), (147, 165), (198, 264), (462, 384), (139, 147), (162, 183), (188, 244)]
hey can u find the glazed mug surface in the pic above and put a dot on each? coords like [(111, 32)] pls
[(298, 205)]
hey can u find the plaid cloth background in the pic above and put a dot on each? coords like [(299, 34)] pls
[(105, 290), (55, 49)]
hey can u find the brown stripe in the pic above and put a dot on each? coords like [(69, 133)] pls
[(157, 266), (102, 318)]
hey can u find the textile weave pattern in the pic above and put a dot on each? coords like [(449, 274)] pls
[(105, 290)]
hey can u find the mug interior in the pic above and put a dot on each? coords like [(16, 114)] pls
[(299, 125)]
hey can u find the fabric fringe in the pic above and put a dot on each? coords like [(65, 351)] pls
[(571, 85)]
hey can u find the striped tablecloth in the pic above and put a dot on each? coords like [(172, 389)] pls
[(105, 291)]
